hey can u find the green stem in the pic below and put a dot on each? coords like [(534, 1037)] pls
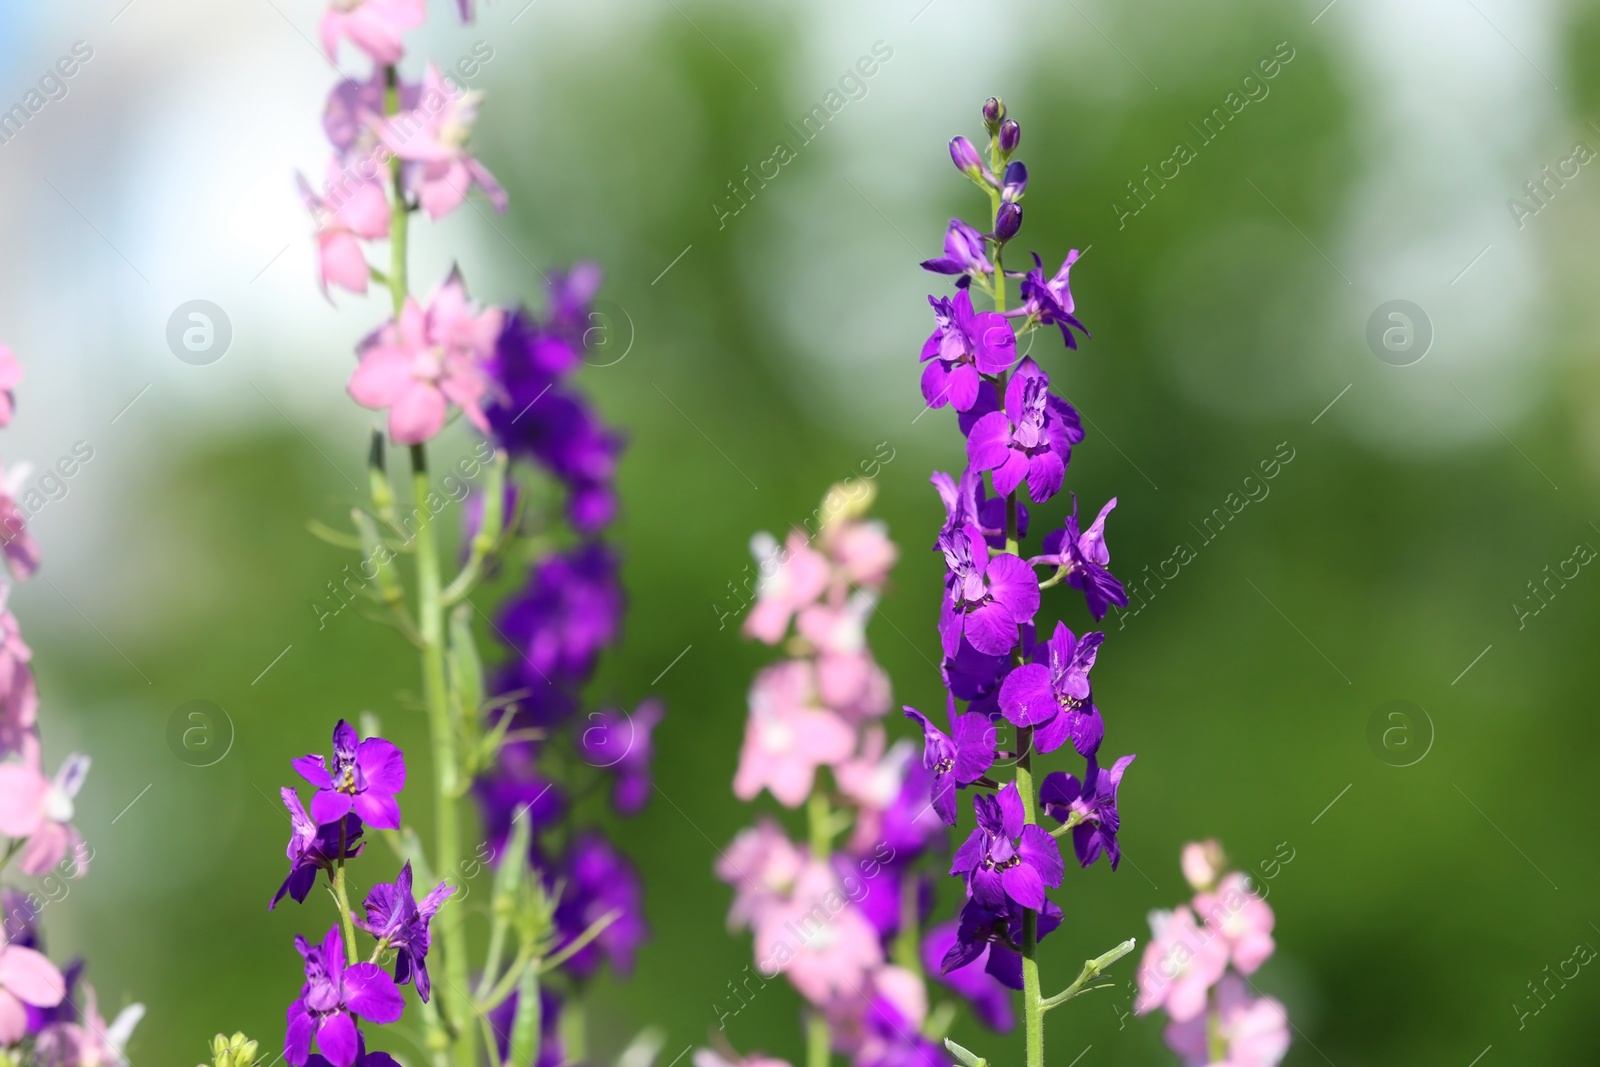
[(342, 896), (907, 942), (1216, 1044), (398, 286), (820, 817), (1092, 969), (1032, 1002), (819, 1040)]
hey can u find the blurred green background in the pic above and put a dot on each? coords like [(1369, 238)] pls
[(1227, 315)]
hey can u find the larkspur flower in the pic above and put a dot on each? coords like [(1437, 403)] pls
[(312, 847), (964, 345), (963, 254), (1006, 858), (996, 932), (1243, 921), (365, 777), (26, 978), (1181, 963), (400, 921), (958, 759), (1085, 558), (761, 864), (377, 27), (432, 141), (1049, 300), (990, 1000), (427, 360), (975, 676), (510, 791), (39, 809), (89, 1041), (966, 503), (571, 609), (1053, 694), (19, 693), (333, 996), (598, 880), (792, 577), (849, 680), (341, 227), (788, 735), (10, 378), (620, 743), (1092, 803), (986, 597), (21, 550), (1202, 863), (1254, 1030), (821, 942), (1030, 438)]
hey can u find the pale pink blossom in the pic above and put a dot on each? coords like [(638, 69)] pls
[(792, 578), (761, 864), (817, 938), (429, 360), (377, 27), (788, 736), (40, 809), (1242, 919), (1255, 1030), (26, 977), (871, 781), (901, 990), (432, 139), (1180, 965), (21, 550), (1202, 863), (862, 551), (360, 212), (849, 679), (92, 1043), (10, 376)]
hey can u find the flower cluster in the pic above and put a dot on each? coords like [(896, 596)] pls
[(1197, 964), (43, 1020)]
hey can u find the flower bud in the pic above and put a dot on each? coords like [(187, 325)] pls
[(1010, 136), (965, 157), (1202, 864), (1016, 182), (993, 112), (1007, 222)]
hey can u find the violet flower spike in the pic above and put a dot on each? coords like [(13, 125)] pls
[(1053, 695), (956, 761), (395, 917), (365, 777), (333, 995), (1050, 301), (986, 597), (967, 502), (965, 344), (1091, 805), (1084, 557), (1030, 438), (963, 254), (1007, 858), (313, 847)]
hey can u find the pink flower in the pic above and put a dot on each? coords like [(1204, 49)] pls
[(26, 977), (761, 864), (788, 736), (1255, 1029), (92, 1043), (890, 986), (353, 211), (19, 695), (40, 809), (850, 680), (792, 578), (1202, 862), (1180, 965), (21, 550), (10, 376), (428, 361), (872, 781), (432, 138), (817, 938), (374, 26), (863, 551), (1242, 919)]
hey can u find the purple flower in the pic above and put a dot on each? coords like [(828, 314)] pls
[(1007, 221), (1085, 557), (1092, 804), (599, 880), (967, 502), (501, 796), (395, 917), (570, 611), (1032, 437), (503, 1016), (620, 743), (1053, 695), (1015, 182), (972, 676), (986, 597), (909, 825), (1006, 859), (990, 1000), (965, 157), (892, 1040), (1010, 136), (963, 254), (365, 777), (313, 847), (1051, 301), (958, 761), (332, 996), (363, 1057), (996, 930), (964, 345)]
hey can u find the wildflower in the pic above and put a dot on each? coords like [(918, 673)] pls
[(1242, 919), (597, 881), (788, 735), (27, 978), (1084, 557), (341, 227), (620, 743), (1091, 805), (963, 254), (1049, 301), (400, 921), (1254, 1030), (986, 597), (312, 847), (1030, 438), (958, 761), (1006, 859), (1053, 694), (374, 26), (1180, 965), (40, 809), (432, 141), (365, 777), (964, 345), (990, 1000), (333, 996)]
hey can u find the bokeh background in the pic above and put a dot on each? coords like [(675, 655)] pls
[(768, 352)]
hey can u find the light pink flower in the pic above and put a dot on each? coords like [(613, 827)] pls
[(761, 864), (792, 578), (817, 938), (788, 736), (1202, 863), (40, 809), (21, 550), (1255, 1029), (430, 360), (19, 695), (900, 990), (374, 26), (354, 211), (1180, 965), (850, 680), (10, 376), (1242, 919), (92, 1043), (432, 139), (26, 977), (872, 781), (863, 551)]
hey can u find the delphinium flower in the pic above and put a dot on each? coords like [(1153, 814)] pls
[(1196, 966), (1020, 431), (10, 378), (399, 921), (334, 996), (314, 847)]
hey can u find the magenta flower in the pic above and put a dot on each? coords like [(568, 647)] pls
[(1050, 301), (964, 344), (966, 502), (40, 809), (432, 140), (963, 254), (342, 225), (400, 921), (10, 378), (958, 761), (330, 1000), (986, 597), (824, 945), (995, 930), (27, 978), (1084, 556), (365, 777), (374, 26), (1093, 803), (428, 361), (21, 550), (1006, 859), (1031, 437), (621, 743), (313, 847), (1053, 695)]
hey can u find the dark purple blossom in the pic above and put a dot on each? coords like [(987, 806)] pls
[(331, 999), (967, 502), (909, 825), (964, 345), (1091, 804), (313, 847), (363, 1057), (963, 254), (986, 597), (894, 1040), (510, 790), (1031, 437), (365, 777), (397, 918), (1006, 858), (972, 676), (1015, 182), (620, 743), (997, 931), (990, 1000), (957, 760), (965, 157), (1010, 136), (1049, 301), (1084, 556), (1007, 221), (1053, 695), (570, 611), (598, 881)]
